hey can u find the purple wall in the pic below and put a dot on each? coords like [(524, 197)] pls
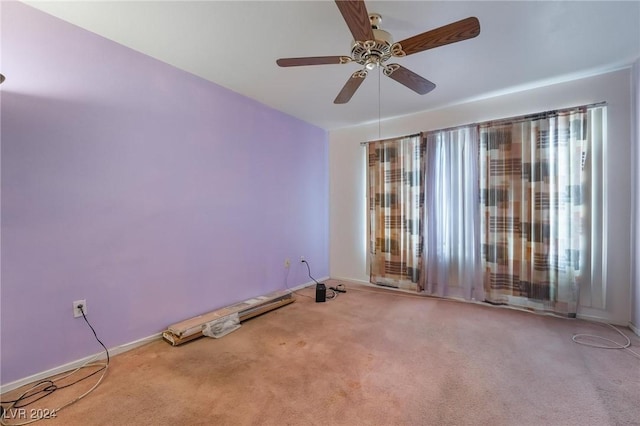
[(150, 192)]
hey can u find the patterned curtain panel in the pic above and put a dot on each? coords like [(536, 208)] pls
[(395, 208), (532, 210)]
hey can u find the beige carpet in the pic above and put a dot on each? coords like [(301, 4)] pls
[(369, 357)]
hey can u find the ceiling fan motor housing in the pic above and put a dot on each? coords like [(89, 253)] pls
[(373, 51)]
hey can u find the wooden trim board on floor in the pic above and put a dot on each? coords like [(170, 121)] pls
[(191, 328)]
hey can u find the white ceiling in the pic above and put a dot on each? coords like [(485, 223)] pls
[(236, 43)]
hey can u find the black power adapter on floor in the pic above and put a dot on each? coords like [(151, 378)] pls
[(321, 292)]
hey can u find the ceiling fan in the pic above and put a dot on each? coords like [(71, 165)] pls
[(373, 47)]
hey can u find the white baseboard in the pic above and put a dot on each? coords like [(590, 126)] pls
[(136, 343), (112, 351), (75, 364), (354, 280), (307, 284), (602, 320), (586, 317)]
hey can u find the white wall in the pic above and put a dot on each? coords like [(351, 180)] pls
[(635, 160), (347, 184)]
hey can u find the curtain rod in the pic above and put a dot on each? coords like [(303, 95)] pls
[(514, 118), (518, 117), (390, 139), (449, 129), (534, 115)]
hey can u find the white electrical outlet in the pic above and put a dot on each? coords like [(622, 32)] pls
[(76, 308), (301, 258), (287, 263)]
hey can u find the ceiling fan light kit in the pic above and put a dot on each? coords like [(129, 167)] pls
[(372, 47)]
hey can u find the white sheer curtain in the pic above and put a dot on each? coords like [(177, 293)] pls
[(451, 259), (593, 287)]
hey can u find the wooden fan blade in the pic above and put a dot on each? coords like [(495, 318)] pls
[(313, 60), (356, 16), (451, 33), (350, 87), (410, 79)]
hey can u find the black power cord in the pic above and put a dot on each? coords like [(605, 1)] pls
[(26, 398), (335, 291), (340, 288), (309, 269), (320, 297), (94, 334), (295, 292)]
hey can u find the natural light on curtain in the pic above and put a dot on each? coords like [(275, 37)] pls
[(537, 208), (395, 207), (451, 259)]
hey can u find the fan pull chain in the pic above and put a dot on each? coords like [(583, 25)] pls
[(379, 135)]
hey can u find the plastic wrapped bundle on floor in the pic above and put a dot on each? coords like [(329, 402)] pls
[(193, 328)]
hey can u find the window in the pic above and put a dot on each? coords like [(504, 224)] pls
[(509, 211)]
